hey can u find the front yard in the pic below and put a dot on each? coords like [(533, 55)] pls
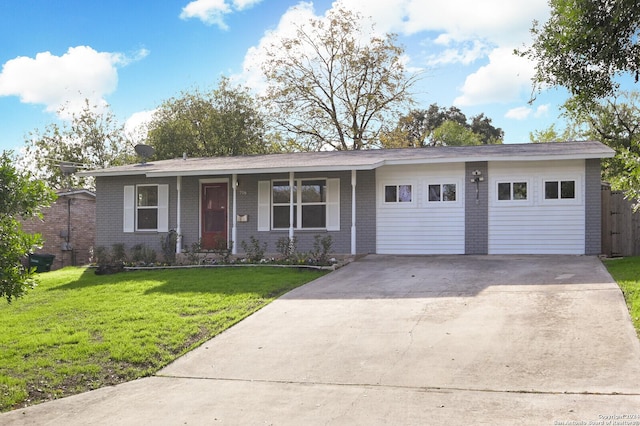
[(78, 331)]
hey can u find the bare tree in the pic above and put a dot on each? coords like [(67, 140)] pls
[(334, 84)]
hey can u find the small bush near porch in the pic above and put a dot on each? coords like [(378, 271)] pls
[(78, 331)]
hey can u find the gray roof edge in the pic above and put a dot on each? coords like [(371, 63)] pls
[(65, 193), (263, 170), (533, 152)]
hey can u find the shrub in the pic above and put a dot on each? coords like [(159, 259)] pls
[(101, 256), (118, 253), (223, 248), (141, 254), (109, 263), (254, 249), (321, 249), (288, 248), (168, 244), (193, 253)]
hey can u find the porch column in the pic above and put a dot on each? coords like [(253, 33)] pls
[(234, 220), (291, 204), (353, 212), (178, 215)]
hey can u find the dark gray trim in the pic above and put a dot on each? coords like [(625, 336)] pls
[(592, 208), (476, 210)]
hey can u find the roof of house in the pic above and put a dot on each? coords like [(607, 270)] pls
[(358, 160), (75, 192)]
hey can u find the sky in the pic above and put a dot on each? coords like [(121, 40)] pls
[(133, 55)]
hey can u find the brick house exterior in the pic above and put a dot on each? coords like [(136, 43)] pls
[(68, 228), (489, 199)]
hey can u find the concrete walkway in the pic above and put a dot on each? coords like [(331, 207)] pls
[(401, 340)]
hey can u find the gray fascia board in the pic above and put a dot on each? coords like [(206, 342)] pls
[(498, 158), (266, 170), (100, 173)]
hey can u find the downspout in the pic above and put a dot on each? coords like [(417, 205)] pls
[(69, 232), (353, 212), (291, 201), (178, 215), (234, 220)]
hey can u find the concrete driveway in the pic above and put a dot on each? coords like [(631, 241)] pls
[(401, 340)]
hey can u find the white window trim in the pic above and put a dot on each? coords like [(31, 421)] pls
[(331, 203), (130, 207), (397, 204), (561, 201), (511, 202), (440, 203)]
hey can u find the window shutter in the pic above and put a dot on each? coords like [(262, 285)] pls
[(129, 208), (264, 205), (163, 208), (333, 204)]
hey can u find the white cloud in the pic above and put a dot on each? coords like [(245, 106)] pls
[(459, 32), (523, 112), (519, 113), (212, 12), (462, 32), (465, 54), (136, 126), (245, 4), (64, 81), (254, 58), (503, 79), (497, 21), (542, 111)]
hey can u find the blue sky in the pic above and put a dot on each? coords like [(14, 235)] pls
[(133, 55)]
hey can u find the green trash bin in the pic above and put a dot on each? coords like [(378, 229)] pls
[(42, 262)]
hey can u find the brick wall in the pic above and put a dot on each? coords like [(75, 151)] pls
[(71, 218), (365, 209), (476, 220), (592, 208), (110, 213)]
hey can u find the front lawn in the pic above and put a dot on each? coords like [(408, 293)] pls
[(627, 274), (78, 331)]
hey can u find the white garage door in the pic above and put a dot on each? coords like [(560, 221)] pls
[(420, 209)]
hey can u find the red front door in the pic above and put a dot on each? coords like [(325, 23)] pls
[(214, 215)]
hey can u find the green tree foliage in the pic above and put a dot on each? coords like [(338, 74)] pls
[(585, 45), (222, 122), (552, 134), (21, 196), (438, 126), (91, 139), (615, 122), (333, 86), (452, 133)]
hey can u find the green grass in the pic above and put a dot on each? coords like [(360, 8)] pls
[(78, 331), (626, 272)]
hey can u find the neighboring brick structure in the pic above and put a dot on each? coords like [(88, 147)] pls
[(68, 228)]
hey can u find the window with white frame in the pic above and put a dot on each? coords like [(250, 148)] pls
[(560, 190), (442, 192), (398, 194), (146, 208), (516, 191), (309, 204)]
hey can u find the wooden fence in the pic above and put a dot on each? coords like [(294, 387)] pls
[(620, 225)]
